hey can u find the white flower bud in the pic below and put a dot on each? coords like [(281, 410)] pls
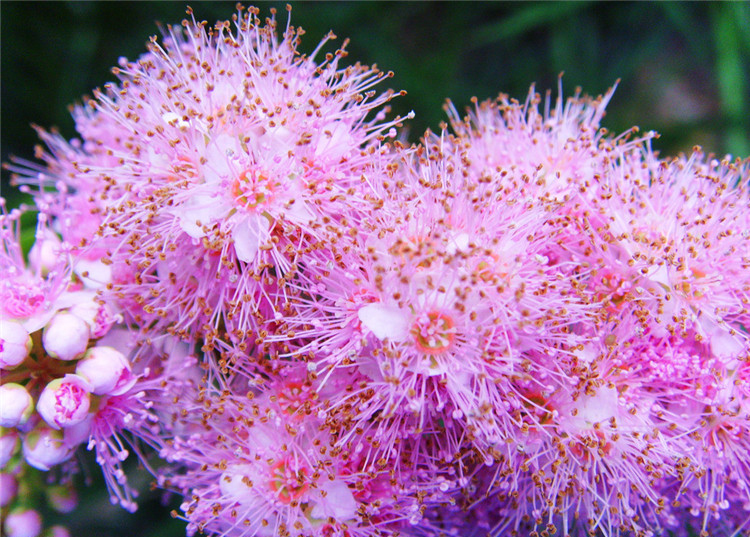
[(44, 447), (66, 336), (45, 253), (64, 402), (15, 344), (16, 405), (107, 370), (99, 317)]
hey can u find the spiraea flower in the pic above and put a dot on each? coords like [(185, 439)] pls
[(219, 157), (520, 325), (263, 465)]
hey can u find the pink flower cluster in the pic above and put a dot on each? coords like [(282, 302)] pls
[(518, 326)]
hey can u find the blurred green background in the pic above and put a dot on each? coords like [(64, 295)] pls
[(685, 71)]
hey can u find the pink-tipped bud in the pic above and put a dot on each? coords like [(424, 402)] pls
[(15, 344), (62, 498), (107, 370), (8, 445), (57, 531), (66, 336), (23, 523), (99, 317), (16, 405), (44, 447), (65, 402), (8, 488), (45, 253)]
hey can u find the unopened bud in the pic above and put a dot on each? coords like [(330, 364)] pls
[(99, 317), (64, 402), (15, 344), (44, 447), (16, 405), (8, 445), (62, 498), (8, 488), (107, 370), (56, 531), (45, 253), (23, 523), (66, 336)]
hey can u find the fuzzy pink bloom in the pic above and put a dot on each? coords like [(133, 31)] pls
[(205, 203)]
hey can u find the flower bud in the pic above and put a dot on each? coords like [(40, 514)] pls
[(62, 498), (15, 344), (64, 402), (56, 531), (66, 336), (16, 405), (77, 434), (45, 252), (99, 317), (8, 488), (8, 445), (23, 523), (106, 370), (44, 447)]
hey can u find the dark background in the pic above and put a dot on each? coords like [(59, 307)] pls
[(685, 71)]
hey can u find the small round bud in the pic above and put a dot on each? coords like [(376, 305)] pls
[(8, 488), (16, 405), (99, 317), (66, 336), (8, 445), (65, 402), (44, 447), (15, 344), (23, 523), (56, 531), (107, 370), (62, 498), (45, 253)]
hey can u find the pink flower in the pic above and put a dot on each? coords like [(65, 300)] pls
[(65, 402), (262, 164)]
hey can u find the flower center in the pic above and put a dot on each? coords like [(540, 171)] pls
[(253, 188), (289, 484), (21, 299), (433, 332)]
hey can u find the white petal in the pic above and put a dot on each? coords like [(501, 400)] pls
[(384, 321), (247, 238), (339, 502)]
